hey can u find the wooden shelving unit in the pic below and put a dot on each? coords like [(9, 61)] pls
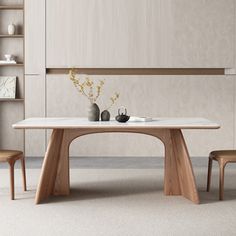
[(12, 65), (12, 36), (18, 70), (11, 99), (11, 7)]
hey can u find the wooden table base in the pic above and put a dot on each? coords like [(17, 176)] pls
[(178, 180)]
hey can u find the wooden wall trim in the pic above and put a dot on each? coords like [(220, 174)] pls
[(140, 71)]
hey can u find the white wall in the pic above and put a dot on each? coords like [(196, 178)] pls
[(200, 37), (140, 33), (156, 96)]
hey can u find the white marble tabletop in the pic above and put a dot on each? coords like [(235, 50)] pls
[(71, 123)]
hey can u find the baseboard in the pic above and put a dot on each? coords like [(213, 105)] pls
[(112, 162)]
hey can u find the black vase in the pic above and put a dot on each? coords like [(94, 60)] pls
[(105, 115)]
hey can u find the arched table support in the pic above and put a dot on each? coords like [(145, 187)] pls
[(178, 179)]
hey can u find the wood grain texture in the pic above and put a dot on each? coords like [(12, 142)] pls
[(209, 174), (12, 65), (221, 179), (199, 33), (35, 37), (23, 173), (50, 167), (11, 156), (184, 166), (35, 144), (11, 7), (62, 182), (179, 177), (12, 110), (12, 180), (11, 36), (172, 185), (139, 71), (11, 99), (140, 34), (223, 157), (10, 113)]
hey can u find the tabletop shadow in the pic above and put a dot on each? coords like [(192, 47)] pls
[(109, 189)]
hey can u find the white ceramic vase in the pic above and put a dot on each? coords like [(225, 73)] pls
[(11, 29)]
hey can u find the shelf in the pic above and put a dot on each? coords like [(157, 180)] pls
[(12, 65), (12, 7), (11, 36), (139, 71), (11, 99)]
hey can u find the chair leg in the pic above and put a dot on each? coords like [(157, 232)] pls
[(11, 165), (221, 180), (209, 174), (23, 173)]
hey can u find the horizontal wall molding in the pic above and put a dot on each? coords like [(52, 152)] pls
[(139, 71)]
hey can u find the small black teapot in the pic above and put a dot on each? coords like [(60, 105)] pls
[(123, 116)]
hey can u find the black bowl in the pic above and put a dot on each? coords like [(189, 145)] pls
[(122, 118)]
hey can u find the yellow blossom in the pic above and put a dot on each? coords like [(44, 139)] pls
[(90, 89)]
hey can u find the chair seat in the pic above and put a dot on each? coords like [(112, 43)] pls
[(229, 155), (6, 155)]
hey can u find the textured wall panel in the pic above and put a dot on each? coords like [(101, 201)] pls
[(155, 96)]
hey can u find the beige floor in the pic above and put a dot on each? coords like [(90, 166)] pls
[(117, 202)]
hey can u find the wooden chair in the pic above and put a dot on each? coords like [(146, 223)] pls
[(11, 156), (222, 157)]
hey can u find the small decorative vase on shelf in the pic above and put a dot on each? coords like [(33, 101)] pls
[(11, 29), (105, 115), (94, 112)]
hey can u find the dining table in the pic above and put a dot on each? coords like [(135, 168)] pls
[(179, 177)]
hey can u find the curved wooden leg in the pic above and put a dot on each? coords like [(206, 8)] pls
[(209, 174), (179, 176), (221, 179), (171, 176), (11, 165), (62, 183), (50, 166), (184, 166), (23, 173)]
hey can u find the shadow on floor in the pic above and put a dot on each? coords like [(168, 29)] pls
[(134, 186), (110, 189), (213, 196)]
